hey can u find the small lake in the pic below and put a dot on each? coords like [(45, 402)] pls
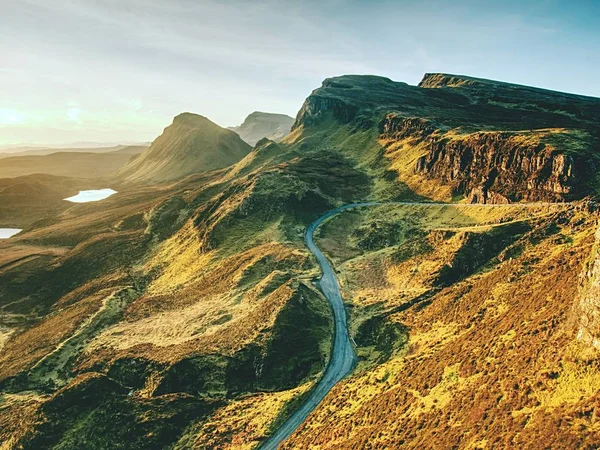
[(91, 196), (5, 233)]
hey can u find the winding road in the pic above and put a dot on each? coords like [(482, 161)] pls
[(343, 357)]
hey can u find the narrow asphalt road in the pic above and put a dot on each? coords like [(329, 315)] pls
[(343, 357)]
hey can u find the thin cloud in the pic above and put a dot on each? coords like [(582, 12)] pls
[(131, 65)]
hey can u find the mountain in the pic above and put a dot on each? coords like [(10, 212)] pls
[(462, 136), (191, 144), (260, 125), (189, 314)]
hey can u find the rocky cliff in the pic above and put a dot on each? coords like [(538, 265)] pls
[(497, 166), (588, 307)]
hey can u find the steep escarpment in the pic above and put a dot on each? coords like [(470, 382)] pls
[(191, 144), (587, 309), (498, 166), (483, 140)]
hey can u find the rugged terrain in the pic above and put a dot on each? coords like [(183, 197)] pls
[(464, 319), (259, 125), (182, 312)]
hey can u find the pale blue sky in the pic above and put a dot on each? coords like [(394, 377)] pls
[(119, 70)]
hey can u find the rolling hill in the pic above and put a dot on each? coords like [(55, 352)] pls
[(29, 198), (68, 164), (6, 152)]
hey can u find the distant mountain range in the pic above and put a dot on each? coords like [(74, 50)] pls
[(8, 151), (24, 146), (260, 125)]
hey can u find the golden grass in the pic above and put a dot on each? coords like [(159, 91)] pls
[(442, 393), (23, 349), (179, 260), (243, 423), (220, 308), (576, 379), (575, 382), (425, 343), (4, 335)]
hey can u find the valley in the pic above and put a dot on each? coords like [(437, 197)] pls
[(409, 266)]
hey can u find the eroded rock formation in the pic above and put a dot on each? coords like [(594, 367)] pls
[(493, 166), (588, 308)]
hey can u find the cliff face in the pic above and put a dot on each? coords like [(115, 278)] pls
[(494, 166), (588, 307), (316, 107)]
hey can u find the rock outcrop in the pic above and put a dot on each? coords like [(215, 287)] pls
[(588, 306)]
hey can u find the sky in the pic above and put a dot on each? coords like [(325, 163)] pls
[(120, 70)]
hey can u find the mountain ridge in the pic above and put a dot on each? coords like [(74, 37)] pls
[(526, 123)]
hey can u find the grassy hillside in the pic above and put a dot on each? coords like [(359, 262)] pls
[(191, 144), (463, 321)]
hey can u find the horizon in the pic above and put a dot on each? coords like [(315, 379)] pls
[(130, 85)]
